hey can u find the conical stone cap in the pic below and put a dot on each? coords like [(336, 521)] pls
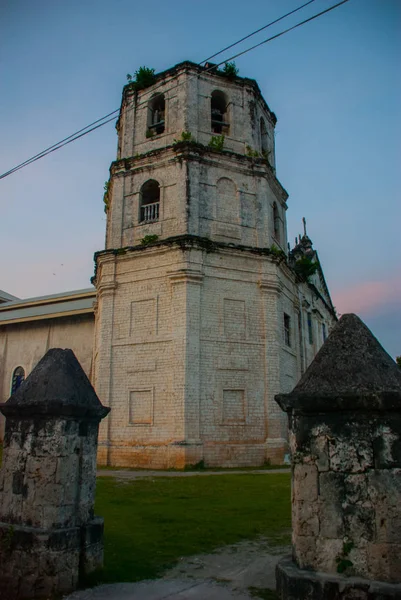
[(57, 386), (352, 370)]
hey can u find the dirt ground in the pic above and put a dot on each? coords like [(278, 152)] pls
[(248, 564), (242, 571), (128, 475)]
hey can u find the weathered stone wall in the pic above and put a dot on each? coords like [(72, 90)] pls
[(224, 197), (24, 344), (345, 440), (190, 343), (347, 492), (197, 353), (188, 96), (49, 537), (220, 197)]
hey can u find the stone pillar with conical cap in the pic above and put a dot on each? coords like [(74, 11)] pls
[(345, 438), (49, 537)]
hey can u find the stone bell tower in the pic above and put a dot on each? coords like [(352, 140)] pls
[(194, 280)]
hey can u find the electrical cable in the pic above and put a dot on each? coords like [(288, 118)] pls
[(213, 67), (78, 134), (216, 66), (274, 37), (50, 148), (257, 31), (57, 145)]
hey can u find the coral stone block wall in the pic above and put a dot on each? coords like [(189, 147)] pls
[(345, 440), (190, 352), (49, 537), (190, 347), (347, 492)]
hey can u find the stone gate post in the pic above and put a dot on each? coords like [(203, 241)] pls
[(49, 537), (345, 439)]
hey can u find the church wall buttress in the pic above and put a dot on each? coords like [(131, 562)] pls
[(106, 286), (271, 290)]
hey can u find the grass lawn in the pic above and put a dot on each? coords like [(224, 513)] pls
[(150, 524)]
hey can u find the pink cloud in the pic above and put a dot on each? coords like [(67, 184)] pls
[(367, 296)]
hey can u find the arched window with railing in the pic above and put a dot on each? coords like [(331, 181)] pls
[(149, 201), (219, 113), (156, 115), (276, 222), (17, 379)]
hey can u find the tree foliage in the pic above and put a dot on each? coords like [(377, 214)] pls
[(305, 267)]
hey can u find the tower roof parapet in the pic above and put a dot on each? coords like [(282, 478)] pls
[(199, 70)]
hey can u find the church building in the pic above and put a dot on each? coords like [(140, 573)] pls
[(200, 312)]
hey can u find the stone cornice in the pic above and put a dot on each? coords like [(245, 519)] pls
[(193, 151), (106, 287), (186, 276), (185, 243), (271, 284), (188, 242)]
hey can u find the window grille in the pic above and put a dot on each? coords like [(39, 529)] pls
[(149, 202), (150, 212), (287, 330)]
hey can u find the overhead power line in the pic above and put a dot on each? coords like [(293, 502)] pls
[(144, 98), (89, 129), (61, 143), (274, 37), (58, 146), (257, 31), (104, 120), (213, 67)]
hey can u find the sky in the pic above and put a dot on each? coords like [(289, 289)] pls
[(334, 85)]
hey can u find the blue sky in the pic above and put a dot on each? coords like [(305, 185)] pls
[(334, 85)]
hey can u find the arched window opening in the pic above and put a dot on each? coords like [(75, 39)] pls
[(156, 114), (150, 201), (276, 222), (18, 378), (219, 115), (264, 138)]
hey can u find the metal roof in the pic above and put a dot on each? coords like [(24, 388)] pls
[(4, 297), (48, 307)]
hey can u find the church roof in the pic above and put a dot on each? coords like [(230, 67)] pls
[(4, 297), (65, 304)]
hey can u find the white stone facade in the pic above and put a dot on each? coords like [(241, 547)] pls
[(197, 331)]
